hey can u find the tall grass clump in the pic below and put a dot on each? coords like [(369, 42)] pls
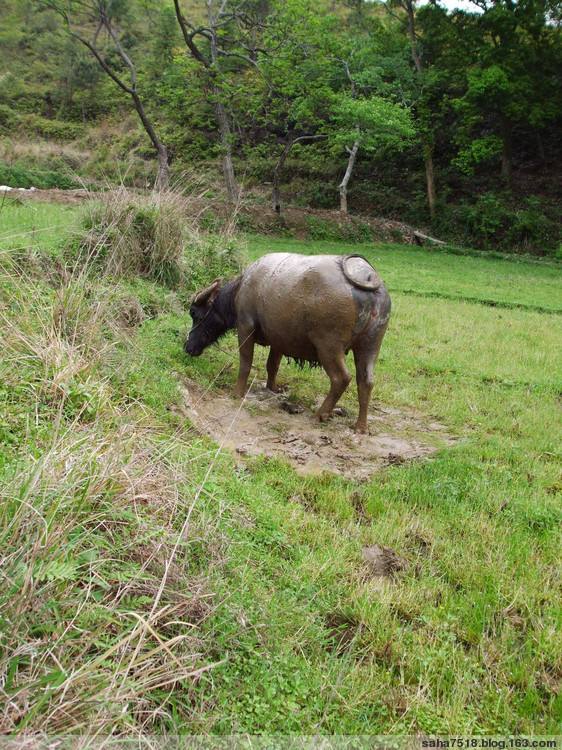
[(103, 586), (154, 236), (100, 606)]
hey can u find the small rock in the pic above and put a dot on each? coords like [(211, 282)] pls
[(395, 459), (340, 411), (291, 408)]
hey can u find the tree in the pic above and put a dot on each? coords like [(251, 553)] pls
[(217, 39), (293, 91), (421, 97), (370, 124), (513, 82), (97, 24)]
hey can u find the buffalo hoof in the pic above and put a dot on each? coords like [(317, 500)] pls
[(361, 429), (323, 417)]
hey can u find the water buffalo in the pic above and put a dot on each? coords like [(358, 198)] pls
[(311, 308)]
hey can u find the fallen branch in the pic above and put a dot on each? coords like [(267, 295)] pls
[(421, 238)]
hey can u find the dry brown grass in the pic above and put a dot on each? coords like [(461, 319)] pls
[(155, 235), (13, 150), (102, 603), (102, 612)]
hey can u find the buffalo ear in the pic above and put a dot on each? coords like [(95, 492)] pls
[(207, 295)]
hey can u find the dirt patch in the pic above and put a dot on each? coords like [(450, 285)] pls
[(53, 195), (342, 632), (383, 561), (262, 426)]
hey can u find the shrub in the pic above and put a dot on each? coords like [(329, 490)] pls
[(8, 118), (351, 229), (56, 129), (531, 227), (19, 176), (495, 221)]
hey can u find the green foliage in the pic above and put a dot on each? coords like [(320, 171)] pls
[(20, 176), (487, 96), (58, 130), (8, 118), (478, 151), (493, 221), (377, 124), (352, 231)]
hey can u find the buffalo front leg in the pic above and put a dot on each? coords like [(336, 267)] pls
[(339, 380), (272, 366), (246, 343), (365, 360)]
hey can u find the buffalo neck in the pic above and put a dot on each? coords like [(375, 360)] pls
[(225, 302)]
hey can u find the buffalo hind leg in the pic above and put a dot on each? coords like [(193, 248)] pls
[(339, 380), (246, 342), (272, 366), (365, 361)]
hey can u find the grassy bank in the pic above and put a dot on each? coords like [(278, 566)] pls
[(152, 583)]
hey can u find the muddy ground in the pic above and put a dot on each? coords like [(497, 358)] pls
[(270, 425)]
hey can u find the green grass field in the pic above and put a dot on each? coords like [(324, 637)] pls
[(152, 584)]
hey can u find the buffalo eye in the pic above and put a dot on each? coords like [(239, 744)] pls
[(196, 314)]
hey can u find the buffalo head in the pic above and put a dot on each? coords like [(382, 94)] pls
[(208, 323)]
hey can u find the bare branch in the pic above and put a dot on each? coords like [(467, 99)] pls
[(189, 35), (97, 54), (123, 55)]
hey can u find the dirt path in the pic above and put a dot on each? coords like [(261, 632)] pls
[(264, 426)]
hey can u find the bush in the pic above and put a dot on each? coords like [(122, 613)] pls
[(351, 230), (58, 130), (33, 124), (494, 221), (8, 118), (149, 236), (19, 176)]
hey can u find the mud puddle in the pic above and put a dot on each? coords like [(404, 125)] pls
[(268, 424)]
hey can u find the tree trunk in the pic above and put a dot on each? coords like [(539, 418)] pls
[(409, 6), (232, 189), (211, 64), (430, 179), (540, 147), (276, 192), (506, 153), (163, 176), (162, 179), (347, 176)]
